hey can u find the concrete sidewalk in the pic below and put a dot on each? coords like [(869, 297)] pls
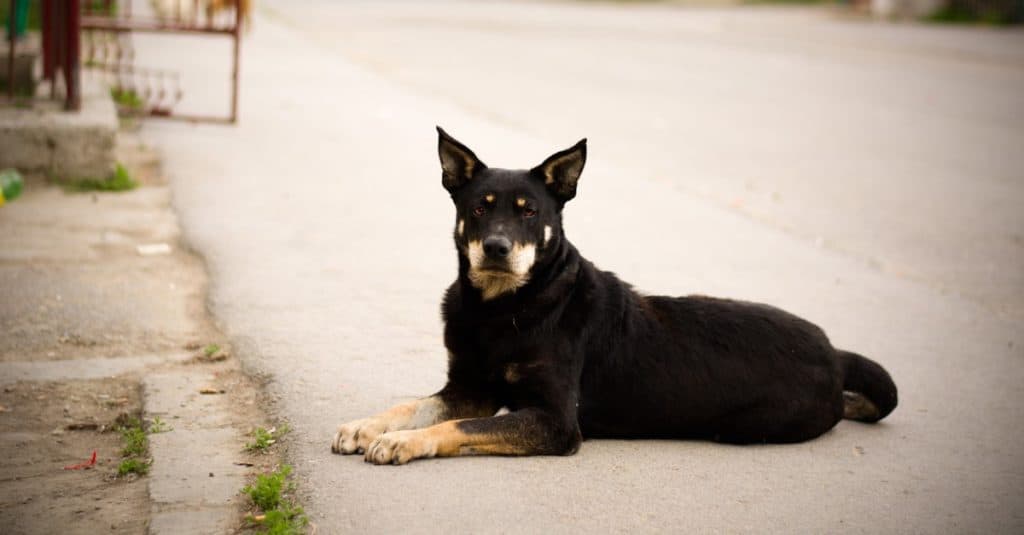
[(97, 336), (327, 233)]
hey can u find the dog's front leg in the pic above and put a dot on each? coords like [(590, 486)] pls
[(525, 432), (355, 436)]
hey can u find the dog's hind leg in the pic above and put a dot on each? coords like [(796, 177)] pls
[(524, 432)]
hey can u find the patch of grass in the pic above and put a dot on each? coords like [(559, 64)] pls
[(134, 441), (286, 521), (269, 493), (126, 98), (135, 448), (158, 426), (266, 492), (211, 349), (133, 466), (121, 180), (264, 438)]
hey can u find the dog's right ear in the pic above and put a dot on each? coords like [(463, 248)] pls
[(458, 163)]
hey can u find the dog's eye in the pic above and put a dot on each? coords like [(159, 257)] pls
[(529, 212), (479, 210)]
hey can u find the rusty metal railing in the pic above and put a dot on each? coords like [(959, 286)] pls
[(158, 101), (63, 23)]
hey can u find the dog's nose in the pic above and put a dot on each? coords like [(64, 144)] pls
[(497, 247)]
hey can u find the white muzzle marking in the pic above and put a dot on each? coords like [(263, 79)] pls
[(494, 283)]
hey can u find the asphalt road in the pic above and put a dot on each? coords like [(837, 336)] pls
[(866, 176)]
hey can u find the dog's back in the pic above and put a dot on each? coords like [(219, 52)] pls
[(702, 367)]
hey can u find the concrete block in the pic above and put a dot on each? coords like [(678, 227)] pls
[(65, 145), (194, 483), (183, 461), (26, 52), (206, 521)]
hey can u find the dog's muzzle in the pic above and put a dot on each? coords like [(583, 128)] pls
[(497, 248)]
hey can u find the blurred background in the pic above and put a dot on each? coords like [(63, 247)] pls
[(859, 163)]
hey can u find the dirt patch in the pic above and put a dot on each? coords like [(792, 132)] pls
[(45, 427)]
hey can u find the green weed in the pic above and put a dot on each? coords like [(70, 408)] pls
[(285, 521), (263, 438), (121, 180), (269, 493), (134, 441), (266, 492), (211, 350), (133, 466), (126, 98), (158, 426), (136, 445)]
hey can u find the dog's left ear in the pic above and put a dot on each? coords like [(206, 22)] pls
[(458, 163), (561, 171)]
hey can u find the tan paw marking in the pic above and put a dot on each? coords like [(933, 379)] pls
[(400, 447), (356, 436)]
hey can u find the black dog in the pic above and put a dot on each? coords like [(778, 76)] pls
[(572, 351)]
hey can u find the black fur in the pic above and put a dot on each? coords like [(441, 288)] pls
[(575, 352)]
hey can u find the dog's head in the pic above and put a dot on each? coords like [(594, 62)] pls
[(507, 221)]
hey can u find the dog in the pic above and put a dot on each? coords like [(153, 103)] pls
[(568, 351)]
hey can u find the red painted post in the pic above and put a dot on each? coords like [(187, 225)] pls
[(13, 37), (46, 8), (72, 69)]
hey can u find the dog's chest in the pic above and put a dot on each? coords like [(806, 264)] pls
[(505, 352)]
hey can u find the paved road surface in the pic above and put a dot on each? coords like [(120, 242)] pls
[(868, 177)]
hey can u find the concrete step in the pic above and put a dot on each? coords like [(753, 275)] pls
[(194, 483)]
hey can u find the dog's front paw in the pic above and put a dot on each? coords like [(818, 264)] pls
[(356, 436), (400, 447)]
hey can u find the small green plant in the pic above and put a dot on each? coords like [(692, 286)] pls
[(270, 494), (158, 426), (126, 98), (266, 492), (211, 350), (121, 180), (136, 445), (134, 441), (133, 466), (264, 438), (285, 521)]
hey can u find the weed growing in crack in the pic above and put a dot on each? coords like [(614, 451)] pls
[(264, 438), (120, 180), (270, 493), (133, 466)]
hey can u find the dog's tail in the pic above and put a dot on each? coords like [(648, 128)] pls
[(868, 392)]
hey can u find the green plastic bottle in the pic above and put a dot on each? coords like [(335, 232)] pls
[(10, 185)]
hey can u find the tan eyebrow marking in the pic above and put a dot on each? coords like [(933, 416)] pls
[(489, 197), (521, 202)]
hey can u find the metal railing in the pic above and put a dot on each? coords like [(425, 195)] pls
[(63, 23), (158, 101)]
